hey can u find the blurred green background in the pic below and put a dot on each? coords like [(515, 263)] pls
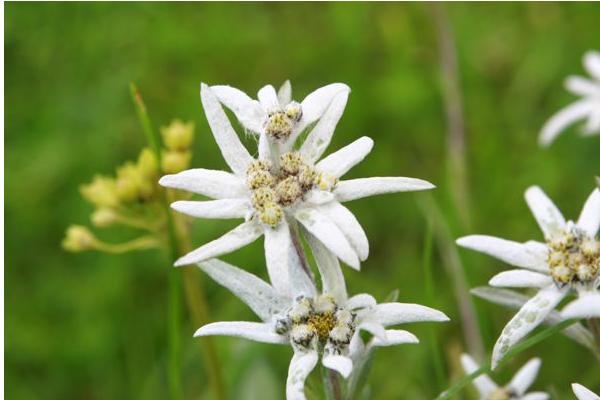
[(93, 326)]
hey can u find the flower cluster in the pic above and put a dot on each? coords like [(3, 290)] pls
[(132, 197), (288, 192)]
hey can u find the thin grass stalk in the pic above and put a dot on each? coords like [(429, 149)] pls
[(456, 273), (194, 294), (438, 362)]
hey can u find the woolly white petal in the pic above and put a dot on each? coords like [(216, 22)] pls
[(400, 313), (582, 86), (259, 332), (319, 137), (547, 215), (350, 227), (587, 305), (268, 98), (536, 396), (315, 104), (301, 366), (483, 383), (527, 318), (329, 234), (522, 255), (207, 182), (225, 208), (589, 219), (284, 94), (340, 162), (256, 293), (238, 237), (525, 376), (248, 111), (584, 393), (592, 126), (515, 300), (341, 364), (264, 147), (394, 337), (234, 152), (364, 187), (591, 62), (375, 328), (519, 278), (332, 279), (361, 300), (316, 197), (563, 119), (281, 262)]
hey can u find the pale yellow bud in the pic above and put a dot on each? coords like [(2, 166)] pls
[(104, 217), (178, 135), (288, 190), (100, 192), (175, 161), (78, 238), (128, 182), (278, 126), (290, 162), (147, 164)]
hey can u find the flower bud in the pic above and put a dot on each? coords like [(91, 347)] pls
[(175, 161), (78, 238), (100, 192), (178, 135), (147, 164), (104, 217), (128, 182)]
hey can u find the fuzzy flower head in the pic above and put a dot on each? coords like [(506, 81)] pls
[(285, 189), (315, 324), (515, 390), (586, 108), (567, 263)]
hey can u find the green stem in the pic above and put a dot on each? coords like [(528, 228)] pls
[(429, 292), (486, 368), (175, 247), (593, 326), (141, 243)]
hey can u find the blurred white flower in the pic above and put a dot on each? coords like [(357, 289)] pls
[(569, 262), (583, 393), (516, 388), (273, 195), (325, 324), (588, 107)]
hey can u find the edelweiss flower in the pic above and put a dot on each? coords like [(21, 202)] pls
[(569, 262), (516, 388), (274, 194), (588, 107), (583, 393), (313, 323)]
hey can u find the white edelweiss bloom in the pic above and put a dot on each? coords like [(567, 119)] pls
[(314, 324), (583, 393), (275, 117), (515, 390), (274, 195), (569, 262), (588, 107)]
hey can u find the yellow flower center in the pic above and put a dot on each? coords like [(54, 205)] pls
[(274, 189), (573, 256)]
